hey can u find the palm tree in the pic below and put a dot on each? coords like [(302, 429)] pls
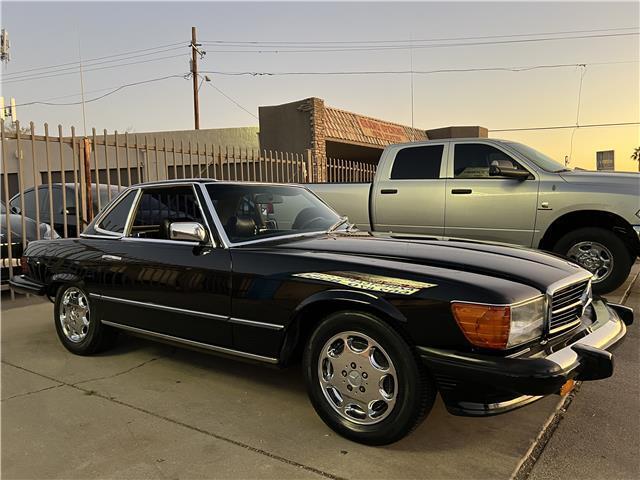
[(636, 156)]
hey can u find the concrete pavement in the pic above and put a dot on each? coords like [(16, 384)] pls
[(147, 410), (598, 436)]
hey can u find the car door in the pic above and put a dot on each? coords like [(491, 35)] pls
[(484, 207), (409, 195), (168, 287)]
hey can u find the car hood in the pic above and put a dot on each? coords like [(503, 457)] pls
[(616, 180), (526, 266)]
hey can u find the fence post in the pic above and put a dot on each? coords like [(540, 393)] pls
[(75, 180), (87, 179), (36, 176), (5, 180), (63, 180), (309, 173)]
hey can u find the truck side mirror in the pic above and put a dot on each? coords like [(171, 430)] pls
[(509, 172)]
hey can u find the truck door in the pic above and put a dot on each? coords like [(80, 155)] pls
[(409, 194), (484, 207)]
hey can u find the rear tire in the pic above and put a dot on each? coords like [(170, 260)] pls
[(601, 252), (374, 391), (77, 326)]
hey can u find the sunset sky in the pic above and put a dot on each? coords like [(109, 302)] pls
[(50, 34)]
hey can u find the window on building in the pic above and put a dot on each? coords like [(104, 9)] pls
[(116, 220), (158, 207), (473, 160), (418, 163)]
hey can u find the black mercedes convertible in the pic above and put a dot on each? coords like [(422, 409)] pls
[(270, 273)]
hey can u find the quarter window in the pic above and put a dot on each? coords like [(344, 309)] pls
[(418, 163), (116, 219), (158, 207), (472, 160)]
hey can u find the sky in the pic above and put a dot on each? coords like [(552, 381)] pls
[(53, 33)]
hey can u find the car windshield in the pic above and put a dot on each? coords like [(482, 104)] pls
[(540, 159), (251, 212)]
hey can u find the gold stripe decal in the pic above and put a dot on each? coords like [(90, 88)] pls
[(376, 283)]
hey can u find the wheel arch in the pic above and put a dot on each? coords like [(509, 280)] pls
[(59, 279), (590, 218), (311, 311)]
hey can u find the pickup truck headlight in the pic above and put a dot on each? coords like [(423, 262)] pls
[(501, 326)]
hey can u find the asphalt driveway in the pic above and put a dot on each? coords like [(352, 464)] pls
[(147, 410)]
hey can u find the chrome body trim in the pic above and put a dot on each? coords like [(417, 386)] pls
[(192, 343), (222, 235), (636, 228), (255, 323), (239, 321), (483, 409), (105, 211), (158, 307), (605, 331)]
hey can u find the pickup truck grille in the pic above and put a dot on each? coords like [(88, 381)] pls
[(567, 305)]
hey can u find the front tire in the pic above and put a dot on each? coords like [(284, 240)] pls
[(78, 329), (364, 380), (601, 252)]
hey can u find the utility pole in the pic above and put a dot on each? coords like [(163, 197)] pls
[(194, 76)]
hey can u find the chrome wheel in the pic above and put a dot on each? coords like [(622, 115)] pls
[(593, 256), (74, 314), (358, 378)]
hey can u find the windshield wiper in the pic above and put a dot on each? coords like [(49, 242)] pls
[(339, 223)]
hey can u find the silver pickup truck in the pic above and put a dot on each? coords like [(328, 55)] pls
[(500, 191)]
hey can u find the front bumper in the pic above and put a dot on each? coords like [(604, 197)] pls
[(479, 385)]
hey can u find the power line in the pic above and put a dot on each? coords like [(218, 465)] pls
[(436, 39), (13, 80), (423, 46), (96, 58), (113, 90), (420, 72), (232, 100), (85, 64), (591, 125)]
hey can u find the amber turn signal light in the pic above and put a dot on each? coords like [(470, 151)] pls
[(567, 387), (484, 326)]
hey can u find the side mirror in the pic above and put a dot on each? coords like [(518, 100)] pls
[(15, 210), (187, 231), (509, 172), (71, 210)]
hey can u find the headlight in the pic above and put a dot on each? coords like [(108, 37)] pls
[(501, 326), (46, 233)]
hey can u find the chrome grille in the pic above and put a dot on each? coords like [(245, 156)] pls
[(566, 306)]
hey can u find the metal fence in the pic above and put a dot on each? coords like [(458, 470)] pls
[(63, 181), (341, 171)]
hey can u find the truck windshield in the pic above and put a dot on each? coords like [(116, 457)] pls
[(543, 161), (252, 212)]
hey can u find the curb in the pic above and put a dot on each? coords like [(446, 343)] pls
[(527, 462)]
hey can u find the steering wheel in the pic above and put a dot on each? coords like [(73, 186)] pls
[(309, 223)]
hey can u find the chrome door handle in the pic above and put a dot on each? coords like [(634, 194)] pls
[(113, 258)]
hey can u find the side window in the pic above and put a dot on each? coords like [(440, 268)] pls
[(158, 207), (472, 160), (29, 204), (116, 219), (56, 195), (415, 163)]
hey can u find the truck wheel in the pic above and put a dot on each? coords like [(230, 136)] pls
[(601, 252), (364, 380), (79, 331)]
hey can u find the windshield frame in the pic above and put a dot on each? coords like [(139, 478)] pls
[(527, 152), (222, 234)]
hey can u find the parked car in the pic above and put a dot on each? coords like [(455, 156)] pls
[(31, 229), (270, 273), (73, 214), (500, 191)]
